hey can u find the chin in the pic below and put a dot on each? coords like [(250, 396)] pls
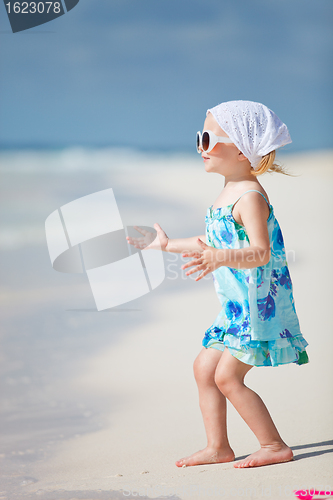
[(210, 169)]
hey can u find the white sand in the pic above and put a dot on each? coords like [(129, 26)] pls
[(148, 373)]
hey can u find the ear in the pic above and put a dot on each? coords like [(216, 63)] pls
[(241, 156)]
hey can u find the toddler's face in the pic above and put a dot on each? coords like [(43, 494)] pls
[(224, 157)]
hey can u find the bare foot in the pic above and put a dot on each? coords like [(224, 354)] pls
[(207, 456), (267, 455)]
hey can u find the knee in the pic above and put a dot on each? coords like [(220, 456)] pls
[(225, 382), (203, 371)]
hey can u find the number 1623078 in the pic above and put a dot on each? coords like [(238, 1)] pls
[(33, 7)]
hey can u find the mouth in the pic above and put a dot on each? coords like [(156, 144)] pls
[(205, 158)]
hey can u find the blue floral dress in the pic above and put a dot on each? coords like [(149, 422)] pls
[(258, 321)]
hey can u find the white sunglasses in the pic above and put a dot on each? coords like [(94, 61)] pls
[(208, 140)]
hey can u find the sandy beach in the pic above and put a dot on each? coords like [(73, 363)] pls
[(101, 405)]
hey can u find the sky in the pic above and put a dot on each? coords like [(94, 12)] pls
[(142, 73)]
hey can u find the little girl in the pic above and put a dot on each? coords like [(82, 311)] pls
[(243, 247)]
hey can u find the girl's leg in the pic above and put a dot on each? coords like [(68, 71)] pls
[(213, 408), (229, 377)]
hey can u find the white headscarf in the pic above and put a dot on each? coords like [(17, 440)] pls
[(252, 127)]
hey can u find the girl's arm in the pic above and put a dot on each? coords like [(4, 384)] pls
[(253, 213), (151, 241), (185, 244)]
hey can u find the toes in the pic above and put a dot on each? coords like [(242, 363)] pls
[(242, 465)]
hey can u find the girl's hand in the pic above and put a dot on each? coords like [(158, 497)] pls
[(206, 260), (149, 241)]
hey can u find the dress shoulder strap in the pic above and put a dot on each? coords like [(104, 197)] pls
[(249, 191)]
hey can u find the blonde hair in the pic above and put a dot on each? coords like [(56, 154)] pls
[(267, 165)]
